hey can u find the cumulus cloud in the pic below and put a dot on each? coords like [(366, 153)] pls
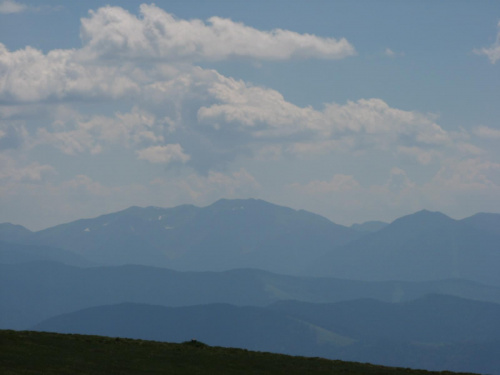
[(163, 154), (367, 123), (492, 52), (215, 119), (28, 75), (113, 32), (78, 134), (11, 6), (209, 117)]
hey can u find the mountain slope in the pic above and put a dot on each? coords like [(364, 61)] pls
[(19, 253), (14, 233), (432, 319), (252, 328), (423, 246), (35, 352), (387, 335), (489, 222)]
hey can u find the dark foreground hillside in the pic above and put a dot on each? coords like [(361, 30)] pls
[(24, 352)]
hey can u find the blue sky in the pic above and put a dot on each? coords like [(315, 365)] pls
[(356, 110)]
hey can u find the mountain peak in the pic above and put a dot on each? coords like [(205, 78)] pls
[(247, 204), (13, 232), (424, 217)]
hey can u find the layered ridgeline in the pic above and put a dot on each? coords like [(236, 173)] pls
[(255, 234), (434, 332), (34, 291), (422, 291)]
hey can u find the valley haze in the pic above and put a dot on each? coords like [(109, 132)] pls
[(251, 274)]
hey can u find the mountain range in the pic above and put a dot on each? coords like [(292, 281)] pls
[(252, 233), (423, 246), (422, 291), (228, 234), (34, 291)]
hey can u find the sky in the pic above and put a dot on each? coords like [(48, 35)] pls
[(355, 110)]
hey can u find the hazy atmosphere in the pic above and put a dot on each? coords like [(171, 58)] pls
[(355, 110), (305, 178)]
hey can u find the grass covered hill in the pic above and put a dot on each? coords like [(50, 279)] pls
[(25, 352)]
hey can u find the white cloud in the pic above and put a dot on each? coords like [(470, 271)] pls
[(212, 118), (215, 118), (11, 6), (112, 32), (204, 189), (73, 133), (28, 75), (369, 123), (71, 199), (467, 175), (390, 53), (338, 183), (12, 172), (487, 132), (492, 52), (423, 156), (457, 187), (163, 154)]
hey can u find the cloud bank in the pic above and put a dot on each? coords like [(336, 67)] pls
[(114, 33)]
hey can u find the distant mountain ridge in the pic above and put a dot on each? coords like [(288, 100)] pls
[(423, 246), (227, 234), (251, 233)]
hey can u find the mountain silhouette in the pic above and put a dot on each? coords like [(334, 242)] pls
[(422, 246)]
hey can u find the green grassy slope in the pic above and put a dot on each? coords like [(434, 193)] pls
[(24, 352)]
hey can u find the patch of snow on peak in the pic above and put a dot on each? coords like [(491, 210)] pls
[(86, 230), (168, 228), (159, 217)]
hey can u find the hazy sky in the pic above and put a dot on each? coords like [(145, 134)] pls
[(356, 110)]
